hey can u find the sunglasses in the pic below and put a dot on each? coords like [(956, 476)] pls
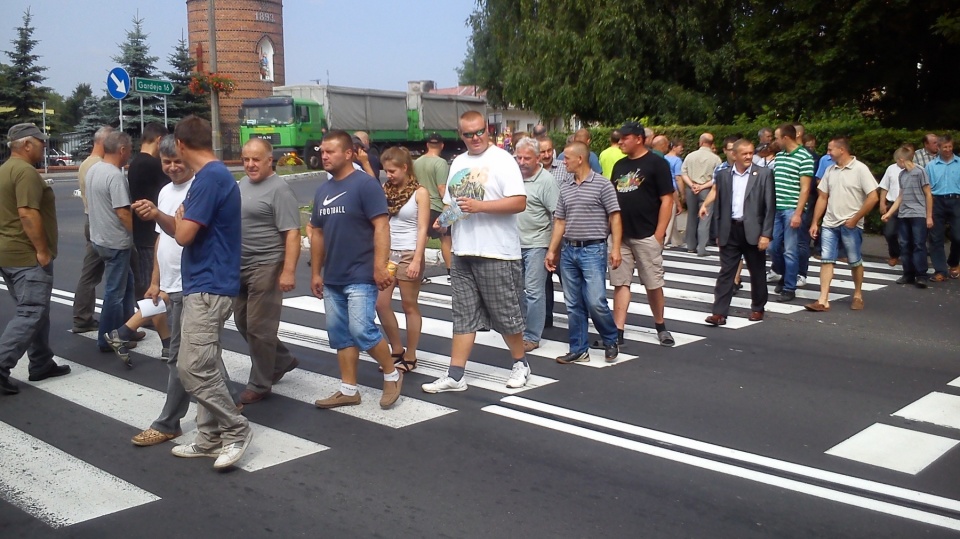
[(475, 134)]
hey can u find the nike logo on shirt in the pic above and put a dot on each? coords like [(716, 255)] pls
[(327, 201)]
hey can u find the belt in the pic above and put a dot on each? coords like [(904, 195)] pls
[(737, 221), (953, 195), (583, 243)]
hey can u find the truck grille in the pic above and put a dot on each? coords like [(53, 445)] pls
[(274, 138)]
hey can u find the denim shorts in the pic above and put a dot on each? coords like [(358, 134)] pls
[(350, 316), (852, 239)]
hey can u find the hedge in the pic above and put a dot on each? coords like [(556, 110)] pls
[(871, 144)]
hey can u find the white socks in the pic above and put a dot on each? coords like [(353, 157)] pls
[(348, 389)]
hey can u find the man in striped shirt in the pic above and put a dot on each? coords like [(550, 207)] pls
[(791, 179), (931, 148)]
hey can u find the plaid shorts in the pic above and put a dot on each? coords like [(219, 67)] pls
[(486, 293)]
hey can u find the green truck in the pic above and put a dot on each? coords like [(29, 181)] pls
[(295, 117)]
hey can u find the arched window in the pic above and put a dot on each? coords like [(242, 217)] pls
[(265, 59)]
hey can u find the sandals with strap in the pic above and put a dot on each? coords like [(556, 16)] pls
[(397, 358), (405, 366)]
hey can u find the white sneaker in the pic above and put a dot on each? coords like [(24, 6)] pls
[(193, 450), (444, 383), (519, 375), (801, 281), (231, 453), (772, 276)]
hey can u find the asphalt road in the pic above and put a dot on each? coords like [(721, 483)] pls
[(725, 435)]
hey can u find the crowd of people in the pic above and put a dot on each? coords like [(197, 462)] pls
[(196, 245)]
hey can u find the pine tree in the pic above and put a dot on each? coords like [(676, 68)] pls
[(95, 112), (22, 80), (72, 106), (135, 58), (182, 103)]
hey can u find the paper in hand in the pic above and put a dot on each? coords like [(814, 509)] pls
[(148, 309)]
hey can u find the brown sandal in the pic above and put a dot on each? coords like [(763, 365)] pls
[(938, 278), (397, 358), (405, 366)]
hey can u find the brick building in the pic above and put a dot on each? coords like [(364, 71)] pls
[(249, 49)]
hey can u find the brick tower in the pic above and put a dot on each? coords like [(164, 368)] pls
[(249, 49)]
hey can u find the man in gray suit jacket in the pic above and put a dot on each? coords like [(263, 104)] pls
[(744, 218)]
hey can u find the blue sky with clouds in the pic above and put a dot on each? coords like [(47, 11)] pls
[(370, 43)]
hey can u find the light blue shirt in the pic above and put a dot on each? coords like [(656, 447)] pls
[(825, 162), (944, 176), (676, 164)]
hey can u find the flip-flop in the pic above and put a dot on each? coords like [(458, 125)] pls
[(816, 307), (938, 278), (955, 272)]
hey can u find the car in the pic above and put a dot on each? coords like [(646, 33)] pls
[(59, 158)]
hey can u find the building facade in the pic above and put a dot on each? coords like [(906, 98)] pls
[(249, 49)]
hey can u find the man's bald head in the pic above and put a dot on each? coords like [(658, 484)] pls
[(661, 144), (582, 135)]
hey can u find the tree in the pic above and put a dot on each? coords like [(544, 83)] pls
[(22, 80), (135, 58), (183, 103), (95, 113), (73, 105)]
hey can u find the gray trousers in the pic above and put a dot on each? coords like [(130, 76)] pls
[(178, 400), (257, 314), (29, 330), (90, 276), (698, 230), (200, 364)]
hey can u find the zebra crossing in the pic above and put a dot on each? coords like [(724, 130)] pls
[(41, 467)]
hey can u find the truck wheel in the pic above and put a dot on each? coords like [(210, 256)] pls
[(313, 162)]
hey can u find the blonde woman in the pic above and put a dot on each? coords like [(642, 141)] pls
[(409, 208)]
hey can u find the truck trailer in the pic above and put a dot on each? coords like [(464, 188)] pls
[(295, 117)]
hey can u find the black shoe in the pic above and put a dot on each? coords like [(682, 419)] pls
[(921, 283), (548, 323), (598, 344), (8, 386), (574, 357), (906, 280), (92, 325), (611, 351), (786, 296), (779, 287), (57, 370)]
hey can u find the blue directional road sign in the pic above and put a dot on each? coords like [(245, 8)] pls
[(118, 83)]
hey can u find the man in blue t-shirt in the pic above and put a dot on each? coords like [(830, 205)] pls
[(350, 241), (208, 228)]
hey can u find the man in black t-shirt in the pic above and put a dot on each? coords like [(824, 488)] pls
[(644, 188), (146, 178)]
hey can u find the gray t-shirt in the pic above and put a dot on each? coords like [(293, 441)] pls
[(914, 201), (536, 222), (107, 190), (268, 208)]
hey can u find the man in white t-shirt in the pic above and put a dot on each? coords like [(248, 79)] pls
[(485, 188), (166, 284), (889, 191)]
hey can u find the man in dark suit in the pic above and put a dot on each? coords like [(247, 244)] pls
[(744, 219)]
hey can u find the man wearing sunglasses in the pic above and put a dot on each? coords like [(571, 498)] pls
[(486, 273)]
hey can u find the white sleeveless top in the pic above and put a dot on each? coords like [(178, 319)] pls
[(403, 227)]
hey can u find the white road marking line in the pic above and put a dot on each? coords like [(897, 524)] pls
[(712, 281), (442, 328), (839, 269), (560, 320), (137, 406), (936, 408), (893, 448), (813, 261), (56, 487), (815, 474), (811, 280), (307, 386)]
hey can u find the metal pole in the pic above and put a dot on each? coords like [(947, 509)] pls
[(164, 111), (46, 152), (120, 103), (141, 115), (214, 98)]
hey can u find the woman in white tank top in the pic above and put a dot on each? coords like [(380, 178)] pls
[(409, 207)]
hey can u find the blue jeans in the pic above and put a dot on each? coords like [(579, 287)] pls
[(946, 211), (583, 271), (29, 330), (784, 249), (350, 311), (534, 289), (913, 246), (118, 300), (803, 241), (852, 239)]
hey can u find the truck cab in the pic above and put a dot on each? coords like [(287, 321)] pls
[(291, 125)]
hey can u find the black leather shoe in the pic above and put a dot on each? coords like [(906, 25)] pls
[(786, 296), (779, 287), (8, 386), (57, 370), (905, 280)]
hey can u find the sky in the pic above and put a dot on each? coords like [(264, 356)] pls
[(378, 44)]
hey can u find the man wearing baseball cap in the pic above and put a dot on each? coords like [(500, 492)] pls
[(28, 245)]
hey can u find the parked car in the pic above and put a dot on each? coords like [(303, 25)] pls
[(59, 158)]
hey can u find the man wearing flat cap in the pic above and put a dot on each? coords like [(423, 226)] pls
[(28, 245)]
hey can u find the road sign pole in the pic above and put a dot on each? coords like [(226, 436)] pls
[(120, 103), (141, 115), (164, 111)]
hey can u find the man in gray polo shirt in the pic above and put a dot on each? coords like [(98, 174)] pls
[(587, 212), (535, 225), (268, 262)]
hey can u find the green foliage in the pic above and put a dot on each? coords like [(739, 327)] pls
[(702, 62), (95, 113), (182, 103), (22, 80), (72, 105), (135, 58)]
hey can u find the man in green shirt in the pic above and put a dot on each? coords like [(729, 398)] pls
[(28, 245), (431, 171), (611, 155)]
